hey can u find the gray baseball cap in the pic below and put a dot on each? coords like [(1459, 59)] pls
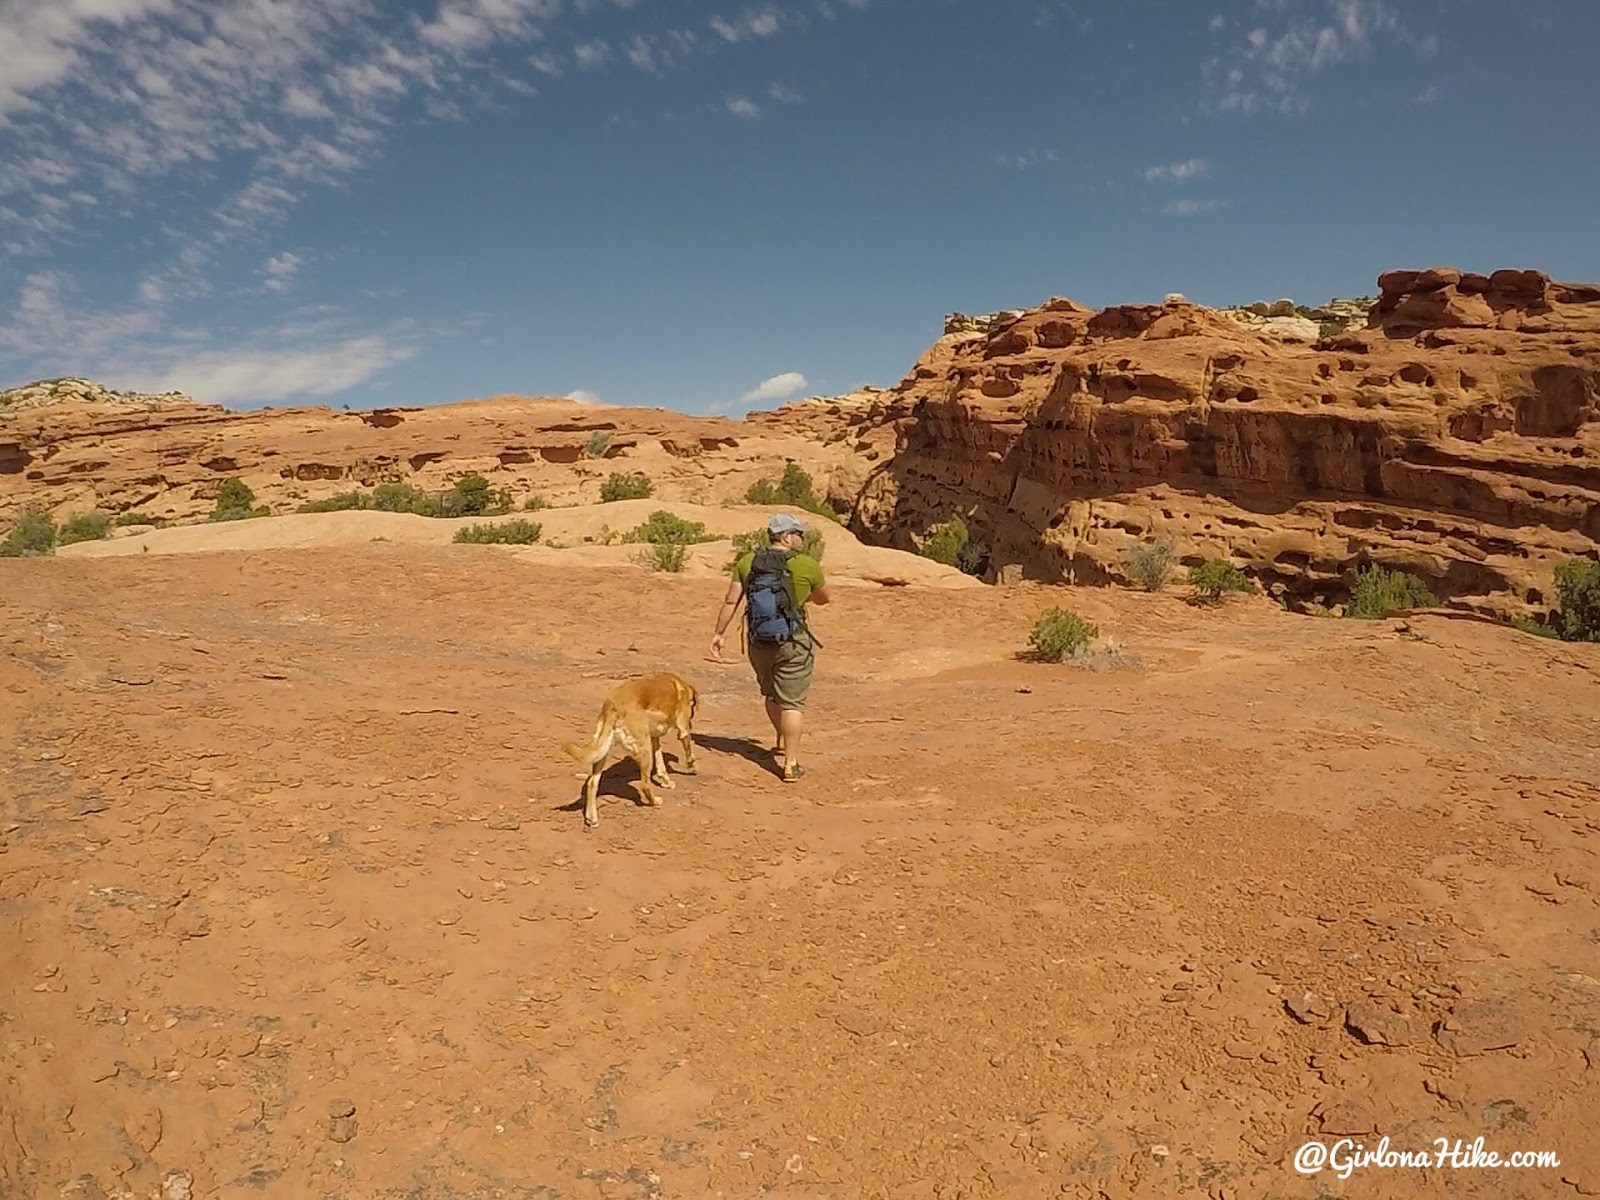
[(784, 523)]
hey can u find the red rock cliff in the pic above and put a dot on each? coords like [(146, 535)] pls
[(1456, 436)]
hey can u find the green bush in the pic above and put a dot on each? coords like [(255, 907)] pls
[(470, 496), (1578, 587), (1379, 591), (634, 486), (793, 489), (597, 445), (1151, 565), (1060, 634), (1217, 575), (404, 498), (535, 504), (33, 536), (663, 556), (516, 532), (236, 502), (1536, 628), (341, 502), (945, 543), (665, 528), (85, 527), (137, 518), (812, 543)]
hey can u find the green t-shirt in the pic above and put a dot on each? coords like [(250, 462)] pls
[(805, 573)]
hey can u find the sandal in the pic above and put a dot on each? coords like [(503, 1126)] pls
[(792, 774)]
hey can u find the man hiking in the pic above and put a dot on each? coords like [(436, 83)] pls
[(777, 581)]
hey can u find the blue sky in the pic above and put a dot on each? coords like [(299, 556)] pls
[(714, 206)]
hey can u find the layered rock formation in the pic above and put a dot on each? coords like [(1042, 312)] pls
[(99, 451), (1456, 436)]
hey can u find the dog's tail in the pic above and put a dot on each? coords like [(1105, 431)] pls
[(599, 745)]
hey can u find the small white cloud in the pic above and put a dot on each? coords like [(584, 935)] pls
[(1173, 172), (251, 374), (1191, 208), (741, 107), (279, 271), (779, 387), (582, 397)]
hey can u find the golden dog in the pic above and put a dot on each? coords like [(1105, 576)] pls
[(637, 714)]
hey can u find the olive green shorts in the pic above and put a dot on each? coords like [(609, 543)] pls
[(783, 670)]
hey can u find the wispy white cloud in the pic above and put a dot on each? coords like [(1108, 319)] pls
[(582, 396), (1192, 208), (253, 374), (741, 106), (1174, 172), (280, 270), (1268, 54), (1026, 160), (778, 387), (122, 111)]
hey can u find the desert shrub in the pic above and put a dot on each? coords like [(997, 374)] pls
[(663, 556), (84, 527), (945, 543), (1217, 575), (1578, 586), (137, 518), (633, 486), (340, 502), (794, 489), (535, 504), (973, 558), (1379, 591), (236, 502), (1150, 565), (470, 496), (1536, 628), (1059, 634), (516, 532), (665, 528), (33, 536), (812, 543), (597, 445), (404, 498)]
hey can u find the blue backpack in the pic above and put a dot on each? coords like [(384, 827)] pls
[(772, 615)]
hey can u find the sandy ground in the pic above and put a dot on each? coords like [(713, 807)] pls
[(297, 902)]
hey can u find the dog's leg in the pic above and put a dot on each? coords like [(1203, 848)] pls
[(658, 759), (643, 747), (686, 737), (591, 788)]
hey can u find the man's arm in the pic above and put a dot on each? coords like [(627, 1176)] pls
[(730, 602), (819, 585)]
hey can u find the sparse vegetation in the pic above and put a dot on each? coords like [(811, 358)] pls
[(813, 543), (1150, 565), (515, 532), (237, 502), (793, 489), (1578, 586), (1536, 628), (469, 496), (1215, 576), (33, 536), (946, 542), (633, 486), (597, 445), (137, 518), (667, 529), (84, 527), (1061, 634), (1379, 591), (663, 556), (535, 504)]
